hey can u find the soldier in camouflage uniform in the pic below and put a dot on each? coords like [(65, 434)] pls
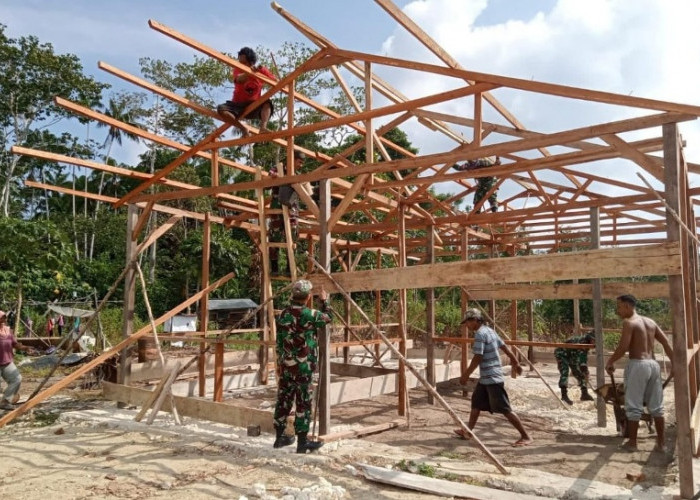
[(276, 230), (483, 184), (297, 356), (577, 361)]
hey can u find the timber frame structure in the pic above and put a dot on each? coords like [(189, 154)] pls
[(556, 202)]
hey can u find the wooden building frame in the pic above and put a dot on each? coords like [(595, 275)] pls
[(556, 202)]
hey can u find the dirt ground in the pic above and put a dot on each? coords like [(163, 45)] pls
[(76, 446)]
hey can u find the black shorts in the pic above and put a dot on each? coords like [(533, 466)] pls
[(237, 108), (492, 398)]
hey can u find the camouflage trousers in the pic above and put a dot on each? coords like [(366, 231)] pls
[(483, 186), (294, 388), (566, 363)]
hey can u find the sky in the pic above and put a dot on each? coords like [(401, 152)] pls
[(644, 48)]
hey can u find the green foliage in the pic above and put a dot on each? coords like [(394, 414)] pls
[(112, 319)]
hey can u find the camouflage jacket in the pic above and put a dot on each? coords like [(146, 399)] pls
[(574, 356), (297, 337)]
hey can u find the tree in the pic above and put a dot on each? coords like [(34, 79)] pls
[(31, 75)]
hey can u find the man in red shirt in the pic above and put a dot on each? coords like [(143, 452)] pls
[(247, 88)]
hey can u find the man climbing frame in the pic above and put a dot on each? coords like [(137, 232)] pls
[(483, 184)]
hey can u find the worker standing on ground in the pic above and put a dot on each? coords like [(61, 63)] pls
[(8, 371), (490, 394), (575, 360), (297, 357), (247, 88), (642, 373)]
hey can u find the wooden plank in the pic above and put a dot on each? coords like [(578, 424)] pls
[(219, 373), (364, 431), (196, 408), (164, 393), (79, 372), (158, 208), (439, 487), (653, 260)]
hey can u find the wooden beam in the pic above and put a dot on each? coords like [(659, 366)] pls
[(237, 416), (487, 150), (653, 260)]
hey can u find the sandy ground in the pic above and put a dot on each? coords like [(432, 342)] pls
[(78, 446)]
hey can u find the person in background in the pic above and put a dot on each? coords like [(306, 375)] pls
[(8, 371), (297, 357), (49, 326), (60, 323), (575, 360), (247, 89)]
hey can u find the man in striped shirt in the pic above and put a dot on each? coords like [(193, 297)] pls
[(490, 394)]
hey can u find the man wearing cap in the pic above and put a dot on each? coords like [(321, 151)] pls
[(577, 361), (489, 394), (8, 371), (297, 356), (286, 195)]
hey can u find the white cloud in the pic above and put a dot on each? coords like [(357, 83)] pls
[(646, 48)]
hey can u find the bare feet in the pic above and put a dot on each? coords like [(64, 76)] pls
[(462, 433), (231, 118), (659, 447), (627, 446), (522, 442)]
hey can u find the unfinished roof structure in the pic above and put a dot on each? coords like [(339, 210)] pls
[(614, 225)]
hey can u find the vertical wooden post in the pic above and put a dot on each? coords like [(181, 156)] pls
[(598, 320), (403, 391), (464, 304), (476, 142), (268, 317), (680, 341), (514, 322), (215, 165), (531, 330), (219, 372), (204, 304), (430, 315), (346, 312), (324, 365), (492, 302), (577, 313), (378, 309), (129, 294)]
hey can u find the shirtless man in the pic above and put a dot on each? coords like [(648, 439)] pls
[(642, 374)]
